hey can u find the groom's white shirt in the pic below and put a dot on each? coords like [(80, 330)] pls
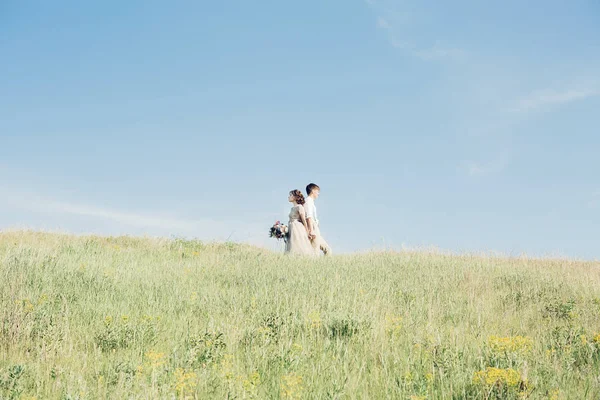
[(311, 210)]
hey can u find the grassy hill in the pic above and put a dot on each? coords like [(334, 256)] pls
[(96, 317)]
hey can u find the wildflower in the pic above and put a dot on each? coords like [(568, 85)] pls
[(516, 344), (297, 348), (584, 340), (415, 397), (196, 253), (408, 378), (155, 359), (393, 325), (429, 377), (597, 338), (251, 382), (291, 386), (264, 331), (314, 320), (185, 381), (125, 318), (108, 320), (42, 299), (27, 305), (492, 376), (227, 367), (553, 395)]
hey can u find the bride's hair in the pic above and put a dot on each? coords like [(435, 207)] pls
[(298, 196)]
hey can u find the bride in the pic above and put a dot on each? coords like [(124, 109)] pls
[(298, 241)]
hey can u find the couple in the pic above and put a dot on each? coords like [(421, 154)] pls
[(304, 235)]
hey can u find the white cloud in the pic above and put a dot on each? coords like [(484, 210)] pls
[(478, 169), (383, 23), (36, 203), (474, 169), (393, 22), (546, 98), (114, 221), (438, 52)]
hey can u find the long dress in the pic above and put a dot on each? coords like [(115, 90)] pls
[(298, 241)]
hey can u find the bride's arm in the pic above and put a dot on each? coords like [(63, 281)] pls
[(303, 217)]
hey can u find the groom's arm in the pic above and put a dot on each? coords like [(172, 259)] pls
[(310, 218), (309, 222)]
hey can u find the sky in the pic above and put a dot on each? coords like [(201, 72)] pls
[(468, 126)]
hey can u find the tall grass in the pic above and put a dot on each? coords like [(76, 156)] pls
[(97, 317)]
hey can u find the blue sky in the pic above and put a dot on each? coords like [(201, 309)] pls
[(469, 125)]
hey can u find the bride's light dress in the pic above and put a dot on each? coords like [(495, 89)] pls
[(298, 241)]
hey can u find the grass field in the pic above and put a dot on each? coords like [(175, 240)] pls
[(95, 317)]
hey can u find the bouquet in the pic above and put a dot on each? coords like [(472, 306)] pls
[(279, 231)]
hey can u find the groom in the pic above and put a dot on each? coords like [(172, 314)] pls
[(314, 233)]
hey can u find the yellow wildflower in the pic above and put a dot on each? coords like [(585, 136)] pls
[(185, 381), (227, 367), (553, 395), (297, 348), (291, 386), (393, 325), (492, 376), (252, 382), (108, 320), (27, 305), (584, 340), (415, 397), (42, 299), (550, 352), (597, 338), (155, 359), (264, 331), (515, 344), (429, 377), (314, 320)]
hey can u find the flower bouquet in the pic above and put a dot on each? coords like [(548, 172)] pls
[(279, 231)]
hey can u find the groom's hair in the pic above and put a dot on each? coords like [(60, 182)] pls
[(311, 187)]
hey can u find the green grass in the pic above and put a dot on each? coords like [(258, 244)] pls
[(95, 317)]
